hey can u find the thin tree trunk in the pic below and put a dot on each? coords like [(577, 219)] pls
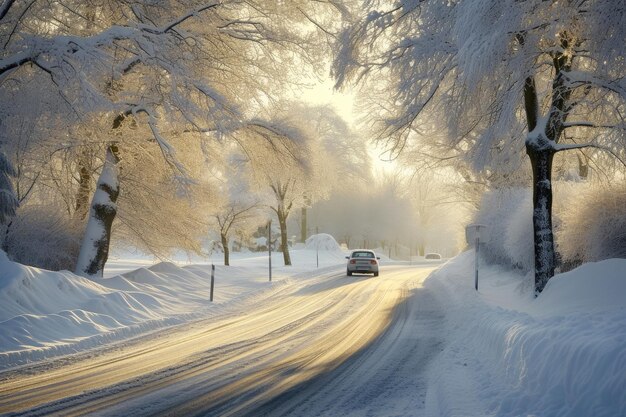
[(583, 167), (282, 221), (94, 250), (226, 250), (303, 225), (5, 241), (84, 191)]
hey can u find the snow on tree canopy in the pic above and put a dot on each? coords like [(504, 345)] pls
[(322, 241)]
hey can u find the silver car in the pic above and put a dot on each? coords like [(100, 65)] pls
[(362, 261)]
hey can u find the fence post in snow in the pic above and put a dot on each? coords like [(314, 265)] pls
[(476, 260), (212, 281), (317, 247)]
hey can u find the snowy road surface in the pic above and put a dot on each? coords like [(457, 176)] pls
[(329, 345)]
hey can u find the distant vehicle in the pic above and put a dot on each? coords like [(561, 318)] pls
[(432, 256), (362, 261)]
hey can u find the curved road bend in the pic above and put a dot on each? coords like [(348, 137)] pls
[(333, 345)]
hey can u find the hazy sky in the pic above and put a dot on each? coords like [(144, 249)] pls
[(344, 103)]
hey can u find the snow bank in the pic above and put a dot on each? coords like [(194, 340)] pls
[(322, 241), (45, 314), (594, 287), (508, 354)]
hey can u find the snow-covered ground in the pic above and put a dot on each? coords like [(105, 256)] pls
[(45, 314), (498, 351), (509, 354)]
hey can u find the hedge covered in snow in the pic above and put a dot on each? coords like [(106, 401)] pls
[(589, 224)]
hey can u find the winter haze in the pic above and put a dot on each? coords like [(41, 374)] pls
[(313, 208)]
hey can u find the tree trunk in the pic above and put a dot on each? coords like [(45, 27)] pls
[(583, 167), (5, 241), (84, 191), (225, 248), (303, 225), (545, 260), (282, 221), (94, 250)]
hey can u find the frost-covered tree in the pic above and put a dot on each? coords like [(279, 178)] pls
[(435, 202), (283, 160), (345, 164), (240, 209), (43, 232), (157, 214), (168, 66), (232, 218), (493, 77)]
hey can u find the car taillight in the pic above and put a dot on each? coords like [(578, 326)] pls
[(352, 261), (373, 262)]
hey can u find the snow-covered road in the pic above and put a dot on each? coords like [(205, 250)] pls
[(328, 345)]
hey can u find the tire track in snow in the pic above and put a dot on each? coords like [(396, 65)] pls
[(385, 378), (225, 366), (67, 382)]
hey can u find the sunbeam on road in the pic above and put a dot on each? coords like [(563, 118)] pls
[(321, 345)]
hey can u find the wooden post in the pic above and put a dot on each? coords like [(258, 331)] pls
[(476, 260), (317, 246), (212, 281), (269, 247)]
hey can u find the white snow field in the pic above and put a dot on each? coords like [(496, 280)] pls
[(416, 341)]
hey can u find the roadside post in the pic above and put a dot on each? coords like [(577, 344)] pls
[(473, 234), (317, 246), (212, 281), (269, 246)]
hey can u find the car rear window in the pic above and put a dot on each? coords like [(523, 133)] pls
[(362, 255)]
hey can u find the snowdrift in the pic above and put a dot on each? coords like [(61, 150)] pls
[(322, 241), (562, 354), (45, 313)]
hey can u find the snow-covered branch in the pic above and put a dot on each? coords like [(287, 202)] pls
[(593, 125), (581, 78), (573, 146)]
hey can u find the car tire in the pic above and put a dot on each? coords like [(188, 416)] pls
[(349, 273), (375, 274)]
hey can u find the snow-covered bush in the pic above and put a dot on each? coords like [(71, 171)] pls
[(322, 241), (43, 237), (594, 228), (507, 213), (589, 224)]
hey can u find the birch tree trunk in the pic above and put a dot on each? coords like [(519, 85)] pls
[(94, 250)]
